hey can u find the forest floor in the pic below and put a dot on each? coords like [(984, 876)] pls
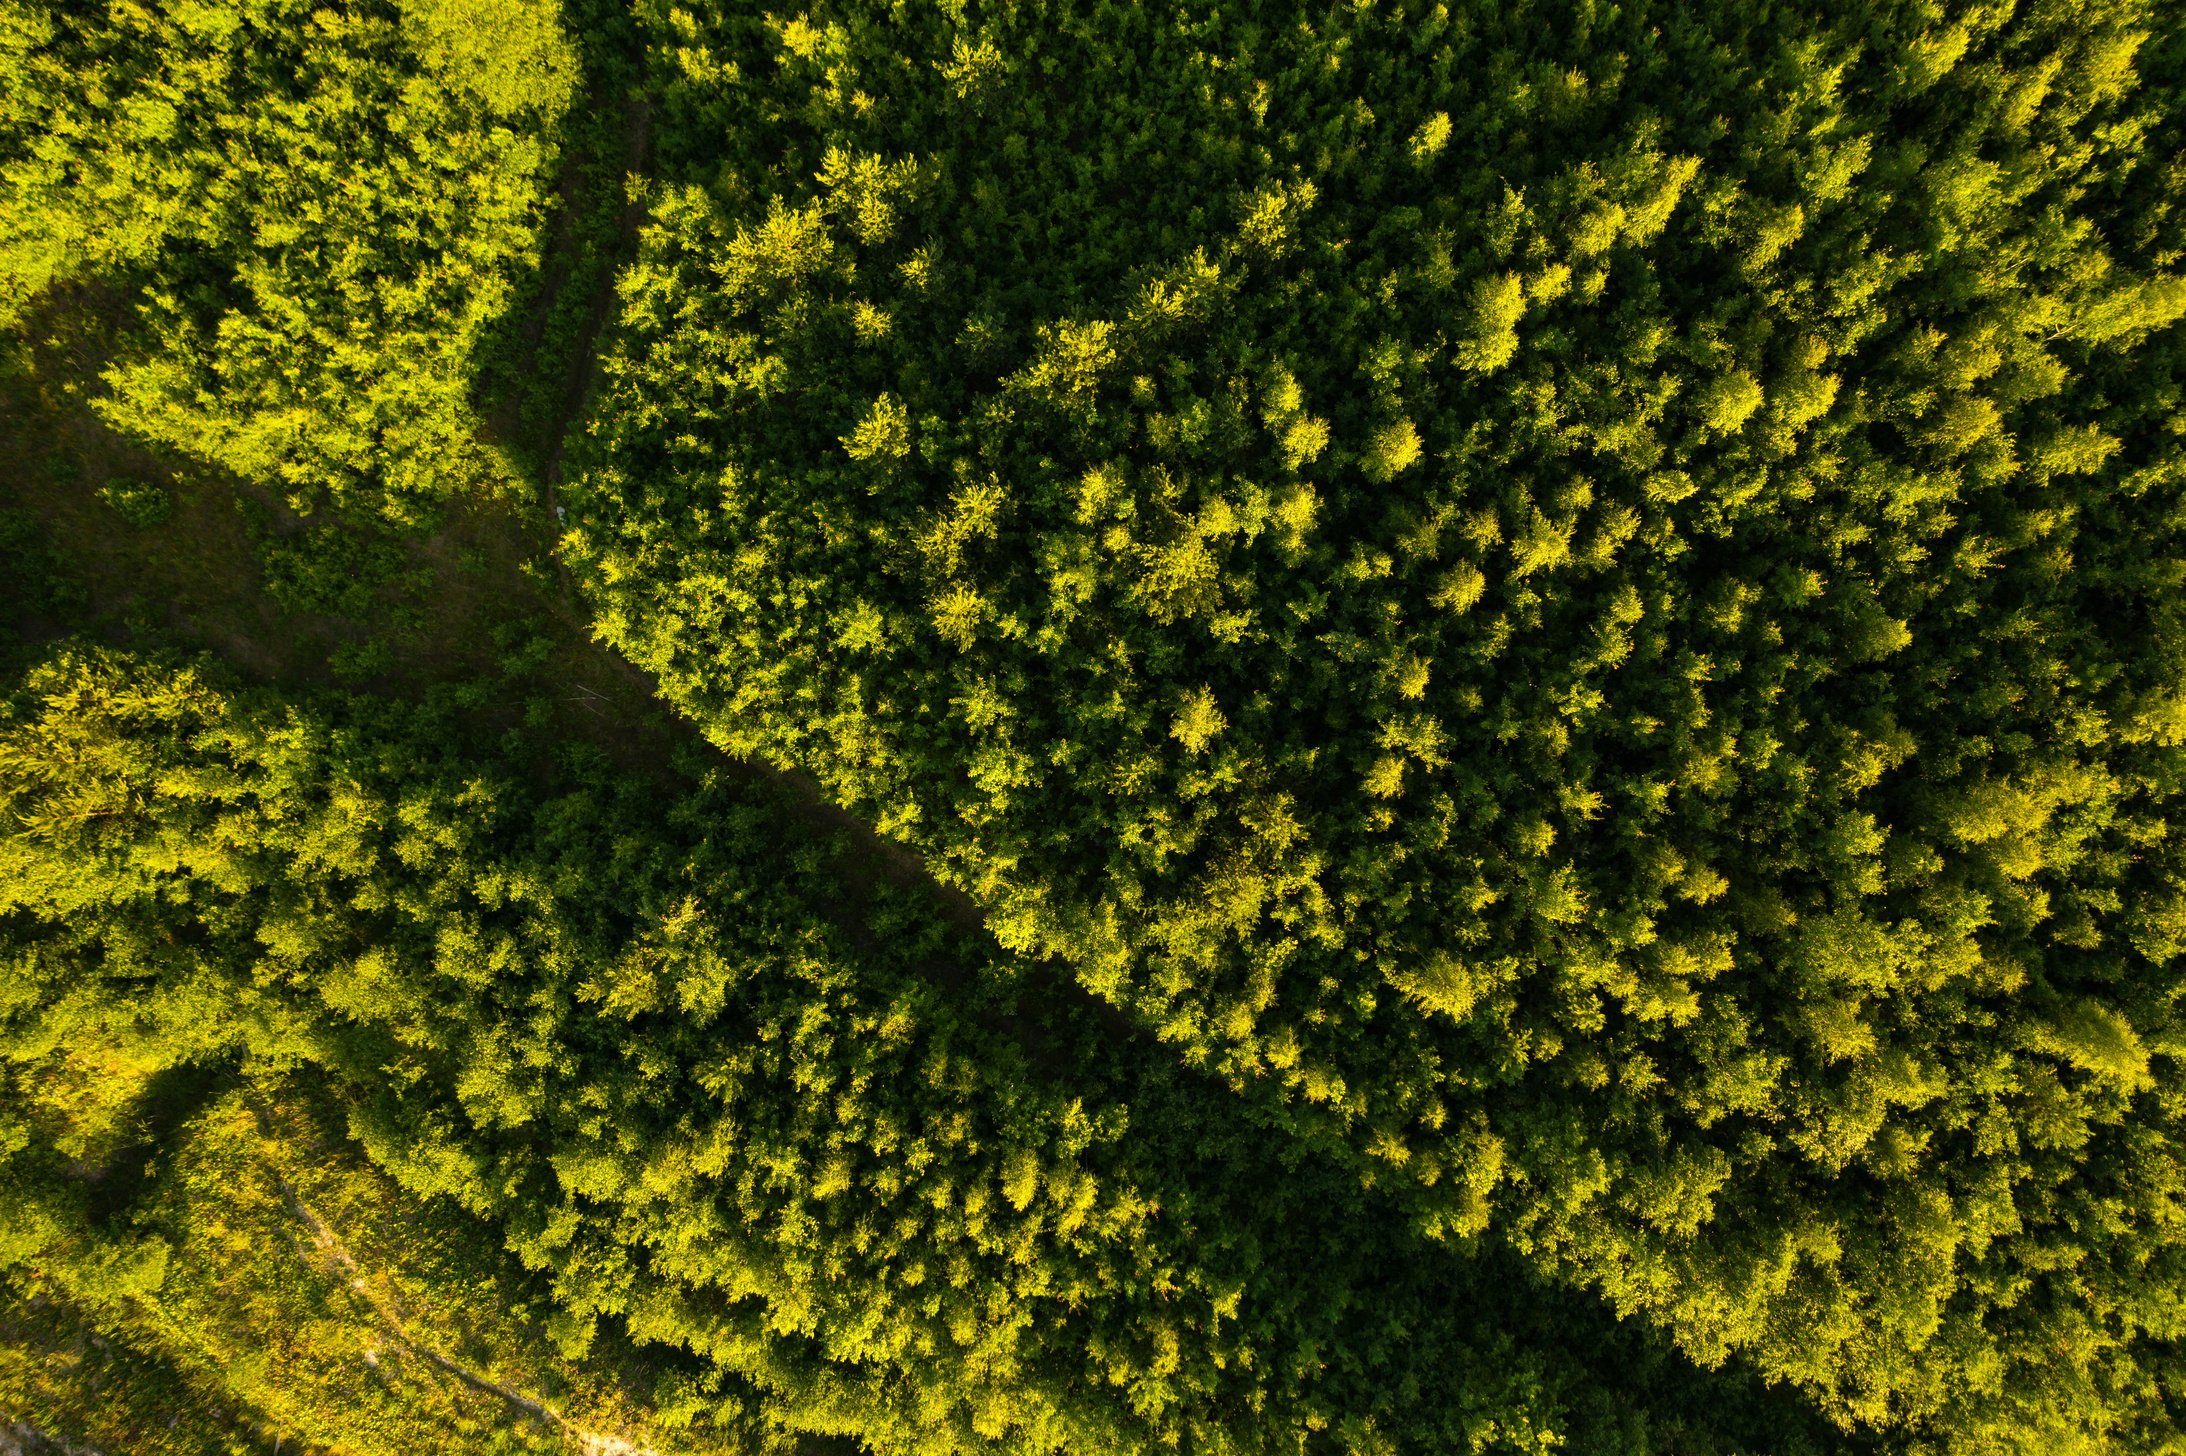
[(460, 602), (199, 578), (482, 584)]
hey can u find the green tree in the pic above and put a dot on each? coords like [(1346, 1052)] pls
[(1676, 510), (321, 212), (713, 1105)]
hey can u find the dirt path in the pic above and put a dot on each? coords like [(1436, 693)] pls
[(870, 856), (21, 1438), (334, 1255)]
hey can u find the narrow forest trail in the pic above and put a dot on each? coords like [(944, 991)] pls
[(584, 373), (870, 855), (21, 1438), (199, 580), (638, 723), (335, 1258)]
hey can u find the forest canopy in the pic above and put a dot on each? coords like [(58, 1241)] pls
[(1371, 729), (320, 210), (649, 1050), (1582, 605)]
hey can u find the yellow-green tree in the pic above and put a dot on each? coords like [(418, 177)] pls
[(1675, 510), (318, 210)]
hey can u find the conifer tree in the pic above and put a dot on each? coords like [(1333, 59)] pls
[(318, 211), (1674, 511), (713, 1107)]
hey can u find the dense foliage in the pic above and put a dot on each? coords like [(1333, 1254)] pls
[(1582, 602), (325, 210), (652, 1050), (1539, 647), (297, 1289)]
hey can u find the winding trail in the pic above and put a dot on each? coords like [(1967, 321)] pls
[(328, 1244)]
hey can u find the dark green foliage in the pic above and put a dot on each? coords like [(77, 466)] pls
[(717, 1111), (360, 571), (141, 503), (326, 566), (1582, 603), (1548, 634), (34, 581)]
